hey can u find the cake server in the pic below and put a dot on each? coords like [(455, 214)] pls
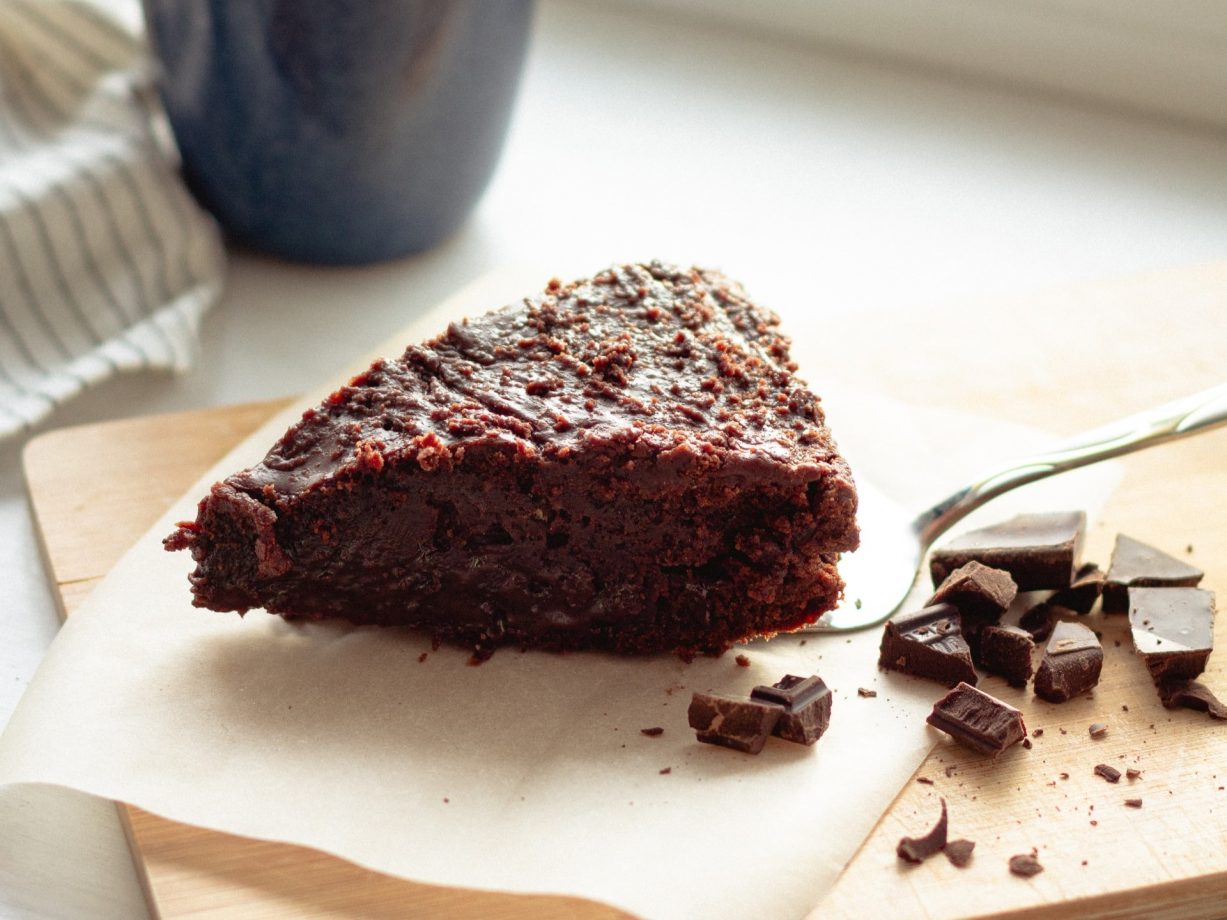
[(881, 573)]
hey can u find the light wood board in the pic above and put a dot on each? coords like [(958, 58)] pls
[(1062, 360)]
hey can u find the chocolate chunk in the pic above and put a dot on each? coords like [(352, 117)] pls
[(1082, 592), (980, 594), (977, 720), (806, 702), (743, 725), (1038, 550), (1138, 565), (1111, 774), (1191, 694), (1038, 621), (928, 643), (959, 852), (1025, 864), (1173, 630), (866, 693), (918, 849), (1071, 663), (1006, 650)]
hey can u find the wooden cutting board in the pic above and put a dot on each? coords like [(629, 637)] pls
[(1063, 360)]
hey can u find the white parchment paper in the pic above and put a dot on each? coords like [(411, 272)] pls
[(526, 774)]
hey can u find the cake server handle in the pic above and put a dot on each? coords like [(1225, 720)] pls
[(1171, 421)]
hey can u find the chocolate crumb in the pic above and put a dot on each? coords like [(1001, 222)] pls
[(422, 657), (1063, 775), (1098, 729), (866, 693), (1026, 742), (950, 770), (1111, 774), (655, 732), (1133, 773), (743, 661), (918, 849), (1037, 733), (925, 780), (1133, 803), (1025, 864), (959, 852), (665, 771)]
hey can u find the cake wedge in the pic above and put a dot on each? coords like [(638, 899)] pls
[(626, 463)]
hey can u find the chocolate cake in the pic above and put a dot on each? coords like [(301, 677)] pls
[(623, 463)]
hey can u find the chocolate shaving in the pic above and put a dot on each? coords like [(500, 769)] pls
[(1111, 774), (918, 849), (1191, 694), (1025, 864), (959, 852)]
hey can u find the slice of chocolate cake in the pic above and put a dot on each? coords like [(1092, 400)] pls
[(623, 463)]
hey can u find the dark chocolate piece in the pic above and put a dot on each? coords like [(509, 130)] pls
[(1038, 550), (1039, 621), (959, 852), (1082, 592), (1173, 630), (1191, 694), (979, 593), (1111, 774), (1006, 650), (918, 849), (1138, 565), (1133, 803), (928, 643), (807, 707), (626, 462), (654, 732), (1071, 663), (977, 720), (1025, 864), (740, 724)]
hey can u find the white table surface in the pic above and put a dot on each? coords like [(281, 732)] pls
[(824, 181)]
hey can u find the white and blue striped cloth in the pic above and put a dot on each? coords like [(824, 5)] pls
[(106, 263)]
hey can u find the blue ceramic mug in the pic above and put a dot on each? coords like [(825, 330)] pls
[(339, 131)]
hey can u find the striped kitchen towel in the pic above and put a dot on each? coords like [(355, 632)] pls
[(106, 263)]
